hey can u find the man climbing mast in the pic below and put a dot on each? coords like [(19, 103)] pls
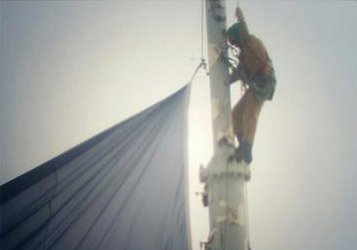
[(256, 72)]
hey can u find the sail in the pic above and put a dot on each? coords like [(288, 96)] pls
[(122, 189)]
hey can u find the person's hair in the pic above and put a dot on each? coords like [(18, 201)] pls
[(233, 34)]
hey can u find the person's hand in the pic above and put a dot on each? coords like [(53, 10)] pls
[(239, 14)]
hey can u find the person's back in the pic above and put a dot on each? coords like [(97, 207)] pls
[(254, 56)]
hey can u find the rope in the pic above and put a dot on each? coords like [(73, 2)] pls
[(203, 63), (246, 193), (247, 215), (202, 15)]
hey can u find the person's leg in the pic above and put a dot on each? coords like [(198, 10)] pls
[(250, 117), (237, 115)]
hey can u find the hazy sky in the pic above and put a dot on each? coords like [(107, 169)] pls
[(70, 70)]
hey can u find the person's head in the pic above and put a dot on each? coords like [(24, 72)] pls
[(233, 35)]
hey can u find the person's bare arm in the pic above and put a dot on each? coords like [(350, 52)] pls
[(239, 14), (243, 28), (238, 74)]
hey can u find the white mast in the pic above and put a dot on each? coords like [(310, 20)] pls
[(226, 181)]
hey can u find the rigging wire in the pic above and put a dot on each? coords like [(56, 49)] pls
[(202, 63), (202, 15), (247, 216), (246, 192)]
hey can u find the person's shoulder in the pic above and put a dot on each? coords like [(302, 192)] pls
[(234, 26)]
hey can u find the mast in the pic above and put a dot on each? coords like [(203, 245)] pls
[(225, 181)]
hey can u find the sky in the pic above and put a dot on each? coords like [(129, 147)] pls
[(70, 69)]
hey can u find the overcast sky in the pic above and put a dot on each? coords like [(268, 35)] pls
[(69, 70)]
